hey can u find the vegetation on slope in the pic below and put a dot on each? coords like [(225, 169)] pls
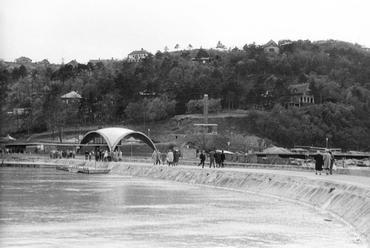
[(162, 85)]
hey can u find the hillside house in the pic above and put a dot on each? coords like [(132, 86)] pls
[(271, 47), (23, 60), (136, 56), (73, 63), (300, 95), (71, 97)]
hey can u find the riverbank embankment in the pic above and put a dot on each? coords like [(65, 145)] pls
[(345, 199)]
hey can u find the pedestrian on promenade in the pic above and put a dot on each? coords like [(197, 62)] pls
[(105, 155), (96, 155), (319, 161), (158, 158), (163, 157), (170, 157), (120, 155), (202, 158), (154, 157), (212, 158), (327, 161), (218, 159), (176, 156), (331, 163), (223, 157)]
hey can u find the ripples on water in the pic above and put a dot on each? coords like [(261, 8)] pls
[(49, 208)]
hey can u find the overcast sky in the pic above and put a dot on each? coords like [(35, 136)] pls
[(92, 29)]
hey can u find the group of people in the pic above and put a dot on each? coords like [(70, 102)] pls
[(104, 155), (62, 154), (216, 159), (324, 161), (172, 157)]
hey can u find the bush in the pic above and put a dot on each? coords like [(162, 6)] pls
[(196, 106), (135, 111), (155, 109)]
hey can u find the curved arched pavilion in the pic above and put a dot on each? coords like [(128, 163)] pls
[(112, 137)]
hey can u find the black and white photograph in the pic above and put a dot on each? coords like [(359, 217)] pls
[(184, 123)]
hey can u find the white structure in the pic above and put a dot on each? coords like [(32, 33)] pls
[(112, 137), (72, 96), (138, 55)]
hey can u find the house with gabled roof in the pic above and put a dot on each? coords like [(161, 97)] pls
[(271, 47), (300, 95), (71, 97), (138, 55)]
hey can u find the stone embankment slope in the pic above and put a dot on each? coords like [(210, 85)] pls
[(346, 197)]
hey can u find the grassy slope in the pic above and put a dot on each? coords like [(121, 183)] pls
[(167, 130)]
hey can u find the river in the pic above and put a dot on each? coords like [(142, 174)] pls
[(49, 208)]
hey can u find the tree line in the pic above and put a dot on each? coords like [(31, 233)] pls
[(169, 83)]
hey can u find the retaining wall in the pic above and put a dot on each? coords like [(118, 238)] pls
[(348, 202)]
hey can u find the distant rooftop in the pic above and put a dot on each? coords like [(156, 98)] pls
[(71, 95), (270, 43), (299, 88), (139, 52)]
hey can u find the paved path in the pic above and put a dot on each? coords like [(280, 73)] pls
[(363, 182), (352, 180)]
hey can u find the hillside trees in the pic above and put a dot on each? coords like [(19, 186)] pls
[(338, 74)]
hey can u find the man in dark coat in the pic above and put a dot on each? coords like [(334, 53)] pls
[(212, 159), (223, 158), (202, 159), (218, 159), (319, 161)]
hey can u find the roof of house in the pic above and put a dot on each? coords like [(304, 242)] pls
[(73, 63), (299, 88), (270, 43), (71, 95), (139, 52)]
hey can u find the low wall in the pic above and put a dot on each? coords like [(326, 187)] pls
[(348, 202)]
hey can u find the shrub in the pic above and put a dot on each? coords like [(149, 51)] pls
[(196, 106), (155, 109)]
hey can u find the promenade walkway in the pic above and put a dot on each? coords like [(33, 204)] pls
[(361, 181), (347, 179)]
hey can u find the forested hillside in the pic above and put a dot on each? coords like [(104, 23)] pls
[(161, 85)]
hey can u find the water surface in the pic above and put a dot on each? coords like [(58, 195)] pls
[(49, 208)]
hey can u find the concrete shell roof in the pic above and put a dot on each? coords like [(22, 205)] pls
[(113, 135)]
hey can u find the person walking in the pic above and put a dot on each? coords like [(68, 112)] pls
[(170, 157), (223, 157), (331, 163), (176, 156), (218, 159), (154, 157), (319, 161), (212, 159), (120, 155), (158, 158), (327, 158), (105, 158), (202, 158)]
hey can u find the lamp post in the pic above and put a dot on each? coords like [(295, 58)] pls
[(327, 142)]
